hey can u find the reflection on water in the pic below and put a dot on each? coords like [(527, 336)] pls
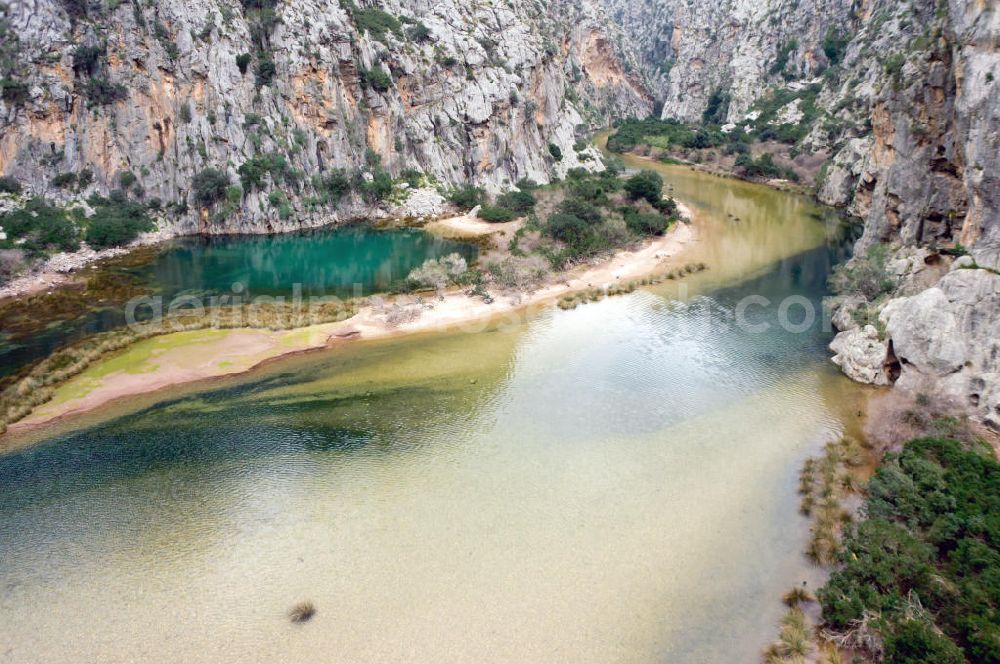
[(343, 262), (610, 484)]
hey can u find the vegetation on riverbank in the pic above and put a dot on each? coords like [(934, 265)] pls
[(915, 564), (919, 579), (769, 143)]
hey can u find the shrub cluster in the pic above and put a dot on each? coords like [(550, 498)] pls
[(921, 573)]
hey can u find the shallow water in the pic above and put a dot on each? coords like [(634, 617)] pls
[(615, 483), (344, 262)]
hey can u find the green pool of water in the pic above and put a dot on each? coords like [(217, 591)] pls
[(344, 262)]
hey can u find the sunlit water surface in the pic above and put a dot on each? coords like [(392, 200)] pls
[(615, 483)]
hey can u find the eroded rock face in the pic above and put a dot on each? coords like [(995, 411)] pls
[(950, 334), (464, 91), (862, 355)]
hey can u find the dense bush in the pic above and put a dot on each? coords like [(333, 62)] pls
[(42, 227), (266, 69), (87, 59), (14, 92), (496, 214), (467, 197), (663, 134), (243, 62), (645, 185), (581, 209), (925, 563), (375, 78), (116, 223), (253, 170), (419, 32), (334, 184), (9, 185), (555, 151), (376, 22), (64, 180), (570, 229), (101, 92), (717, 108), (865, 274), (521, 202), (835, 44), (378, 188), (209, 186), (648, 223)]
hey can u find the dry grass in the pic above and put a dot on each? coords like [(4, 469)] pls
[(302, 613), (795, 640), (823, 484)]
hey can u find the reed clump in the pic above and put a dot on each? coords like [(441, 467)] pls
[(824, 484), (795, 639), (302, 612)]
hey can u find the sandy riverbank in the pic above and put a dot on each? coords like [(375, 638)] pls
[(185, 357)]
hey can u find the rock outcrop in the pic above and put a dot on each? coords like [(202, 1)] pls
[(463, 91)]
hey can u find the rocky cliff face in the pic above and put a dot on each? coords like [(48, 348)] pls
[(905, 99), (691, 49), (463, 91)]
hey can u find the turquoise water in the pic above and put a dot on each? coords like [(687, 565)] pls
[(615, 483), (344, 262)]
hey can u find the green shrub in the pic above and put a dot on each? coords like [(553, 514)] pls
[(243, 62), (555, 151), (209, 186), (570, 229), (645, 223), (378, 188), (783, 54), (87, 59), (467, 197), (866, 275), (265, 69), (64, 180), (253, 170), (376, 22), (717, 108), (645, 184), (375, 78), (520, 202), (926, 557), (115, 224), (835, 44), (335, 185), (42, 227), (419, 32), (9, 185), (14, 92), (101, 92), (582, 209), (126, 179), (496, 214)]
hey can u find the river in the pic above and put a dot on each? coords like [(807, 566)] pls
[(615, 483)]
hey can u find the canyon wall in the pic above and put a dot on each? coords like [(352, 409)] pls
[(463, 91), (905, 101)]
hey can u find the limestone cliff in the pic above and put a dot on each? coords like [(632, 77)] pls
[(462, 91)]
